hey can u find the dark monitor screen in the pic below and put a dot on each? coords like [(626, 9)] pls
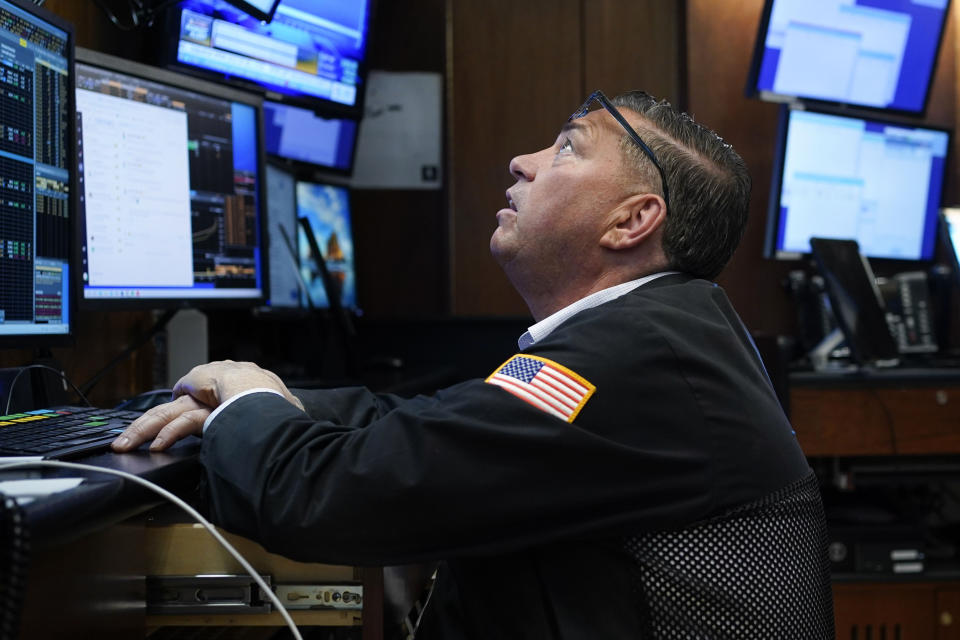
[(37, 171), (871, 53), (171, 175), (878, 182), (327, 208), (299, 134), (856, 301), (313, 51)]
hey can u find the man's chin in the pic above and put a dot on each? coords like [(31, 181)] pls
[(500, 246)]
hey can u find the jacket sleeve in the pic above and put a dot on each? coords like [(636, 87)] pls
[(470, 470)]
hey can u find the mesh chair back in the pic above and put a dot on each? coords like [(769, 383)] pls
[(759, 571)]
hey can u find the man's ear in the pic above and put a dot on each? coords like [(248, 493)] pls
[(634, 221)]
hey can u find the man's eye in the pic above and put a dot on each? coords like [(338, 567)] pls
[(566, 145)]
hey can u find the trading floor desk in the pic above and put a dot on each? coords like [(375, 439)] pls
[(901, 421), (882, 412), (75, 563)]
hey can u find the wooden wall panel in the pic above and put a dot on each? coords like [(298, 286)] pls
[(634, 45), (513, 78)]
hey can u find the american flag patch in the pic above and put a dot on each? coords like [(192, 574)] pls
[(548, 386)]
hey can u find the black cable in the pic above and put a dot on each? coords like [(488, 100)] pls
[(140, 14), (889, 417), (48, 368), (157, 326), (134, 18)]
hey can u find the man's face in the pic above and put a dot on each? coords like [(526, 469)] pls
[(561, 203)]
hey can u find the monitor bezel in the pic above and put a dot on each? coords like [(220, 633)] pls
[(293, 165), (771, 231), (166, 56), (107, 62), (752, 91), (265, 16), (44, 340)]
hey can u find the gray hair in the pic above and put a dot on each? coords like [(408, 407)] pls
[(708, 181)]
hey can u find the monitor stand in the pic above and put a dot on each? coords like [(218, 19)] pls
[(187, 344), (819, 355)]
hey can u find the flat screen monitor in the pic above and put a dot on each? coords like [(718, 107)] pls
[(837, 176), (286, 287), (327, 209), (300, 135), (38, 174), (856, 301), (170, 179), (871, 53), (312, 52)]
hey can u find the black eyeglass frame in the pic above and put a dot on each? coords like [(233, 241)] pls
[(602, 99)]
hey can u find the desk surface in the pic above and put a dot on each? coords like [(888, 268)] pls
[(103, 500), (873, 378)]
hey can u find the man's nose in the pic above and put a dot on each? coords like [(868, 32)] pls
[(523, 168)]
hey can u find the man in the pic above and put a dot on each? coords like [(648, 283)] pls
[(629, 474)]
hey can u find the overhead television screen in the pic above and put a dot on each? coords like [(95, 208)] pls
[(871, 53), (299, 134), (312, 51), (876, 181)]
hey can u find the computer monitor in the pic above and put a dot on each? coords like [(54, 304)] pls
[(171, 188), (313, 52), (37, 175), (327, 209), (282, 228), (839, 176), (301, 136), (879, 54)]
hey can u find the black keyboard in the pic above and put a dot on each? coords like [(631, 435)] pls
[(61, 432)]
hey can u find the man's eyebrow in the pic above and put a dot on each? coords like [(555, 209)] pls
[(573, 125)]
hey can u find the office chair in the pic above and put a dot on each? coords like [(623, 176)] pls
[(760, 571)]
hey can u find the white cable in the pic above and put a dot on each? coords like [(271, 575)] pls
[(183, 505)]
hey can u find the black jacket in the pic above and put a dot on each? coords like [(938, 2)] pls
[(524, 508)]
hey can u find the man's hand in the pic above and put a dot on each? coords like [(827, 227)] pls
[(197, 394)]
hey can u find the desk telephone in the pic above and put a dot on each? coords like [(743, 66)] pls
[(909, 311), (878, 320)]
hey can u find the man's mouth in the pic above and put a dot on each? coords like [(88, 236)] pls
[(510, 202)]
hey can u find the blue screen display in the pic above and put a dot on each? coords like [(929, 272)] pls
[(873, 53), (311, 48), (852, 178), (300, 134)]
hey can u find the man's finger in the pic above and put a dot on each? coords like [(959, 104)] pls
[(187, 423), (147, 426)]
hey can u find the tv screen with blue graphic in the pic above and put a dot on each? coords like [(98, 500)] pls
[(327, 208), (312, 52), (299, 134), (171, 188), (879, 54), (877, 182)]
